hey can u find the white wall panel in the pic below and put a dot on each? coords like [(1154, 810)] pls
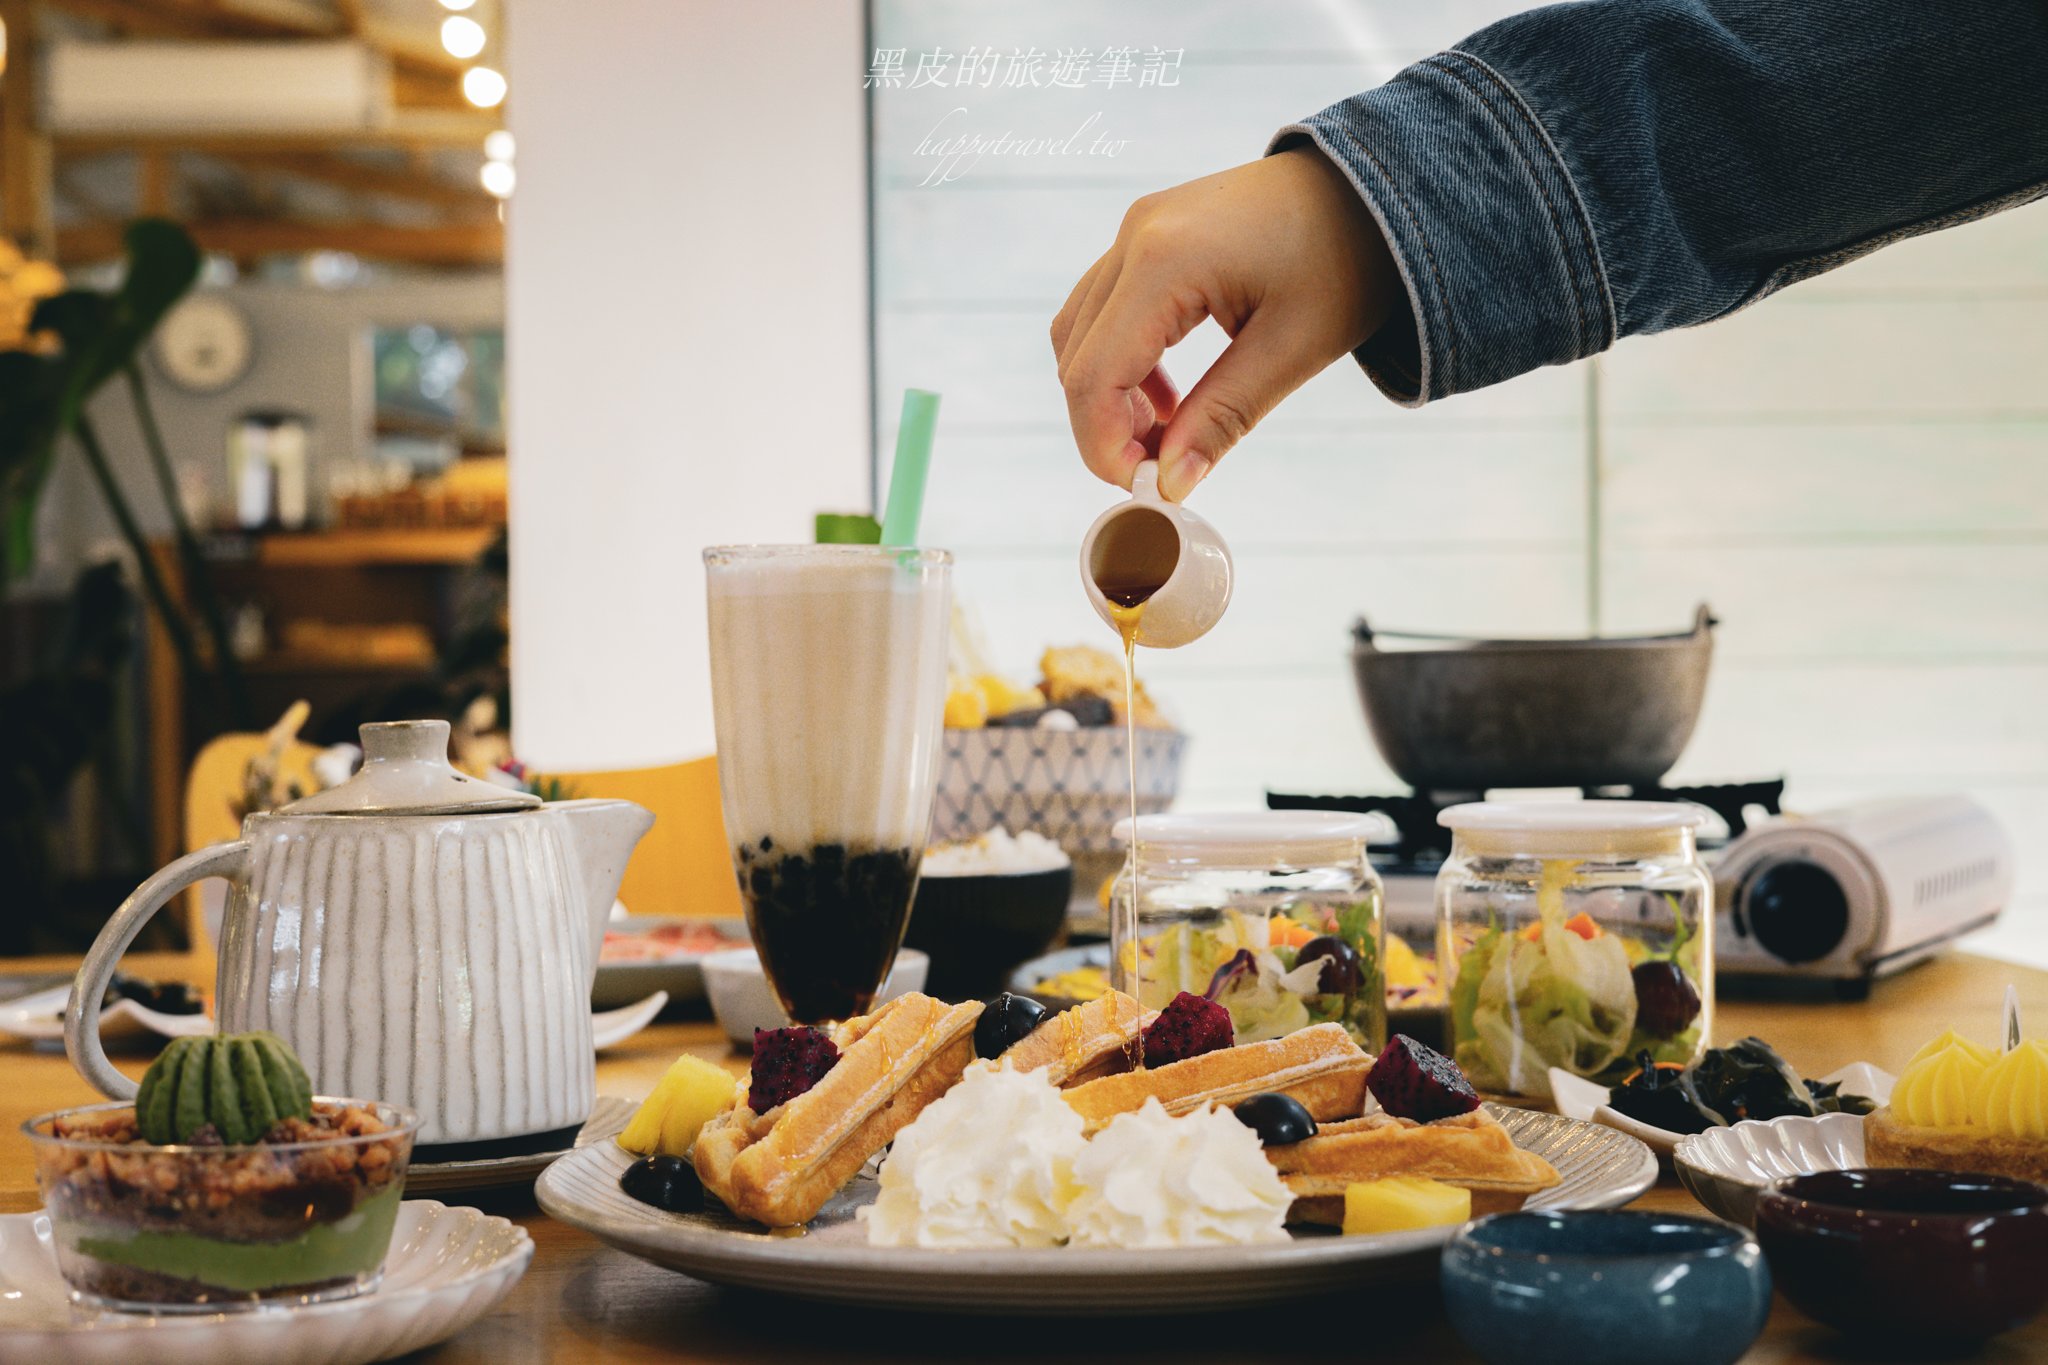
[(1854, 473)]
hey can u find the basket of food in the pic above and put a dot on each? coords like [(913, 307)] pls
[(1053, 757)]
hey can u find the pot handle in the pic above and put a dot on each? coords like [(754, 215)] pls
[(1703, 620), (1361, 634), (82, 1011)]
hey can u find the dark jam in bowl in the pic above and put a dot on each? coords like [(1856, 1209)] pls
[(827, 921), (1912, 1258)]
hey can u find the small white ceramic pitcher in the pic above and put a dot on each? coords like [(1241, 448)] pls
[(1149, 544)]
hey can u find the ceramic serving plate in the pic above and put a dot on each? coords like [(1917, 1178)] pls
[(447, 1268), (607, 1120), (1727, 1168), (832, 1260), (680, 974), (1579, 1098)]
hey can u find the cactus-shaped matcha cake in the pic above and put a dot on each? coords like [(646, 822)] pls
[(240, 1083)]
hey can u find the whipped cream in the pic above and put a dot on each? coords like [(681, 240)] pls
[(988, 1164), (1152, 1180)]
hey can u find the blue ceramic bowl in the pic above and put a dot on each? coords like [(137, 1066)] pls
[(1590, 1288)]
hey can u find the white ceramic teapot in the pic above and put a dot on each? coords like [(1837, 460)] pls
[(417, 935)]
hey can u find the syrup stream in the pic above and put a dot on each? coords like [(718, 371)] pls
[(1127, 609)]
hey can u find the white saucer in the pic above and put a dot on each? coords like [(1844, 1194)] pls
[(607, 1120), (447, 1268), (40, 1018)]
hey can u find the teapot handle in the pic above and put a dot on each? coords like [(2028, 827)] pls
[(82, 1011)]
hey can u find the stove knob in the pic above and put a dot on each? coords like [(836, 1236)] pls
[(1797, 911)]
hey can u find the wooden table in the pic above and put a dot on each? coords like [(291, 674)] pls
[(583, 1301)]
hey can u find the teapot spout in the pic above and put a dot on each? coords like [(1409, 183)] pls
[(603, 835)]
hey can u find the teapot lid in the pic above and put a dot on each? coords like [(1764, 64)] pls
[(406, 772)]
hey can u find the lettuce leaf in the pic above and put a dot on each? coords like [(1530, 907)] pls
[(1520, 1007)]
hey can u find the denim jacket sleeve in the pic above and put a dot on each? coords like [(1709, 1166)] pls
[(1590, 171)]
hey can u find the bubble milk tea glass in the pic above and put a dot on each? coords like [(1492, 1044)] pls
[(828, 686)]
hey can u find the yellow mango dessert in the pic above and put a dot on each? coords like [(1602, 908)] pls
[(1403, 1204), (686, 1097), (1962, 1107)]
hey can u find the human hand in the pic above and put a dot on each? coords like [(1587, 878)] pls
[(1281, 252)]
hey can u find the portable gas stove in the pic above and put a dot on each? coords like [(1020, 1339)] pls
[(1836, 898)]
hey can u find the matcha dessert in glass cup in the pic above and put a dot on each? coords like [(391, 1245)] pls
[(226, 1185)]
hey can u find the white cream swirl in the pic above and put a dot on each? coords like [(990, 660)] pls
[(988, 1164), (1151, 1180)]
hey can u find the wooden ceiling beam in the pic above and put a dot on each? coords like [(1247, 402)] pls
[(169, 19), (416, 128), (158, 19), (475, 244), (414, 185)]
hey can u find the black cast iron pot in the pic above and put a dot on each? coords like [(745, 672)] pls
[(1459, 715)]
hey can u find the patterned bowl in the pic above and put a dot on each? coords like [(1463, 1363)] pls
[(1072, 786), (1727, 1168)]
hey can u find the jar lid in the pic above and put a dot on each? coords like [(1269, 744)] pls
[(1256, 836), (1589, 828), (406, 772)]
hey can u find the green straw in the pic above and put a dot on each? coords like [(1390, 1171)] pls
[(913, 462)]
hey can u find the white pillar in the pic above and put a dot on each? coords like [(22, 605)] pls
[(687, 317)]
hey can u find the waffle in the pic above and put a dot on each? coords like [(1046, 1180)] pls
[(1888, 1142), (1320, 1066), (1468, 1150), (779, 1168), (1082, 1043)]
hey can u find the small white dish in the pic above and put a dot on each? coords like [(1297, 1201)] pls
[(621, 981), (1727, 1168), (40, 1018), (1578, 1098), (744, 1001), (609, 1028), (447, 1268)]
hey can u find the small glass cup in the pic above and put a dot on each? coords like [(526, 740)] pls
[(1573, 934), (828, 687), (219, 1229)]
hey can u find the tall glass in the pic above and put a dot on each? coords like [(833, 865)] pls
[(828, 685)]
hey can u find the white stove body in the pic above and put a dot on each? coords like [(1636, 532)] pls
[(1860, 892)]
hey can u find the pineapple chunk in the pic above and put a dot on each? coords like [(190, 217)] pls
[(1003, 696), (688, 1094), (1403, 1203), (966, 708)]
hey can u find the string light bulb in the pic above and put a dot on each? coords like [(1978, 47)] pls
[(498, 178), (498, 144), (462, 36), (457, 4), (483, 87)]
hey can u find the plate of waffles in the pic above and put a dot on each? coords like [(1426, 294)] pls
[(970, 1159)]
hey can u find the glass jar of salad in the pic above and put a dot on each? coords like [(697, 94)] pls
[(1574, 934), (1275, 915)]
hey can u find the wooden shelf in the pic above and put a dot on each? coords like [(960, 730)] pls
[(285, 661), (351, 548)]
